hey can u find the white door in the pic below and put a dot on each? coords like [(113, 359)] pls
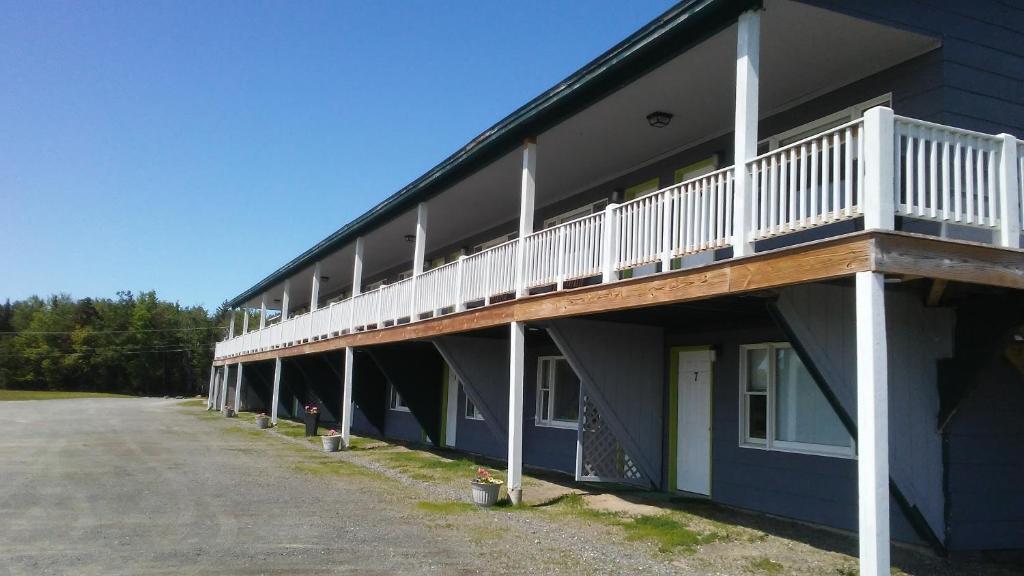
[(693, 444), (452, 417)]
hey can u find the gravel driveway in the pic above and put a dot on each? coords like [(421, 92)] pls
[(139, 486)]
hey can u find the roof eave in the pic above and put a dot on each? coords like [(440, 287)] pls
[(682, 26)]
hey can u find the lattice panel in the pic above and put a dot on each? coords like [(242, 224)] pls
[(603, 458)]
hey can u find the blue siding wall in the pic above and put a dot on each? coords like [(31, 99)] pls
[(985, 459), (481, 364), (361, 425), (982, 55), (475, 436), (823, 319), (819, 489), (543, 447), (403, 426), (621, 366)]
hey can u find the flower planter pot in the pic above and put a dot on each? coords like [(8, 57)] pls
[(331, 443), (263, 422), (485, 494), (311, 421)]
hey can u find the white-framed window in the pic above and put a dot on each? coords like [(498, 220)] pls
[(404, 275), (373, 286), (492, 243), (822, 124), (558, 393), (396, 402), (782, 407), (575, 214), (471, 412), (697, 169)]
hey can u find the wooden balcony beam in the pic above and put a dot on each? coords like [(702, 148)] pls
[(892, 253)]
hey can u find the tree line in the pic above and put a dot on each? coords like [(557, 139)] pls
[(131, 344)]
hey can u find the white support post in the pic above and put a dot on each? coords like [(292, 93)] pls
[(459, 269), (872, 425), (748, 63), (879, 201), (231, 323), (560, 265), (222, 390), (1010, 194), (285, 297), (263, 311), (245, 321), (357, 282), (238, 389), (210, 392), (346, 397), (609, 249), (357, 268), (314, 297), (527, 188), (515, 411), (277, 391), (314, 300), (666, 230), (419, 252), (420, 249)]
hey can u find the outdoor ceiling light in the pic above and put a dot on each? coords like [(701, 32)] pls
[(410, 238), (659, 119)]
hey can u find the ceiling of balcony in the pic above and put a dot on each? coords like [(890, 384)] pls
[(612, 136)]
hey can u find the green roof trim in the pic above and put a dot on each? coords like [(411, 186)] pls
[(684, 25)]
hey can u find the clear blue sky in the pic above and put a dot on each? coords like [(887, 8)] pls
[(194, 147)]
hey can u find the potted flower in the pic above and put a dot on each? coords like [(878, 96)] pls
[(485, 488), (228, 411), (332, 441), (311, 419), (262, 420)]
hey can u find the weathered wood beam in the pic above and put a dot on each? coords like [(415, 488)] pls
[(931, 257), (892, 253)]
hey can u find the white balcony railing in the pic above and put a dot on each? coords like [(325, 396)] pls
[(939, 173), (809, 183), (947, 174)]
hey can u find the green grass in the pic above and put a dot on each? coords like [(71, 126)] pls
[(574, 505), (360, 443), (667, 533), (333, 467), (765, 566), (446, 508), (428, 467), (194, 403), (12, 395)]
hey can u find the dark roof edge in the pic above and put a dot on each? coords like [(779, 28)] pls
[(680, 27)]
